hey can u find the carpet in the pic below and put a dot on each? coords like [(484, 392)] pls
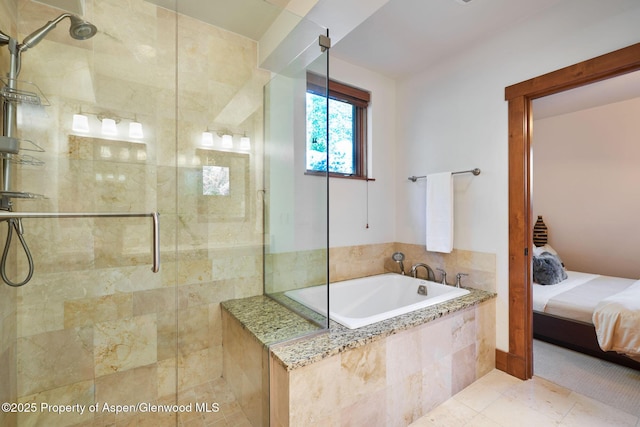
[(606, 382)]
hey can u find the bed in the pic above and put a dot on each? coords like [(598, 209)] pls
[(593, 314)]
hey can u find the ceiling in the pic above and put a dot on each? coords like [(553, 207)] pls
[(407, 36), (621, 88), (250, 18)]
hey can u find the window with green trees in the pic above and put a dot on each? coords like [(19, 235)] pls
[(344, 148)]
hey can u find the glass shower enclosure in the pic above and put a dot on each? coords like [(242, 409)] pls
[(155, 172), (296, 203)]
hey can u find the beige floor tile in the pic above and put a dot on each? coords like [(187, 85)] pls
[(487, 390), (482, 420), (499, 380), (544, 397), (497, 399), (508, 411), (588, 412), (450, 414)]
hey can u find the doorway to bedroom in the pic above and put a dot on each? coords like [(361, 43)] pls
[(519, 360)]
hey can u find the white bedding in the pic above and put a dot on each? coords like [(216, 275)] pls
[(542, 294), (617, 322)]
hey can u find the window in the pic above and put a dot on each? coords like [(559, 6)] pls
[(347, 129)]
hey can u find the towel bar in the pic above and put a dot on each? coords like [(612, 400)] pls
[(475, 171), (154, 216)]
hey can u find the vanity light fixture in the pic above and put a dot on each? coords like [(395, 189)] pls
[(108, 124), (224, 139)]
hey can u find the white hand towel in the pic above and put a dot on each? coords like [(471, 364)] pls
[(440, 212)]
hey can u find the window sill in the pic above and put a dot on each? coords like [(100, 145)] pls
[(339, 175)]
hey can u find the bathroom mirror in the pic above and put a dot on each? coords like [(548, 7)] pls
[(224, 185)]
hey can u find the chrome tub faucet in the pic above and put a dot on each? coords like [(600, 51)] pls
[(430, 275)]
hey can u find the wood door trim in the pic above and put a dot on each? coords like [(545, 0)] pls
[(519, 360)]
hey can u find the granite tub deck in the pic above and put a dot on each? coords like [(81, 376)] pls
[(389, 373)]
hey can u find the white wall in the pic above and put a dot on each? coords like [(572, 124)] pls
[(454, 117), (348, 197), (585, 185)]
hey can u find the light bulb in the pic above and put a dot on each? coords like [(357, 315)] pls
[(109, 127), (245, 143), (135, 130), (80, 123), (227, 141), (207, 139)]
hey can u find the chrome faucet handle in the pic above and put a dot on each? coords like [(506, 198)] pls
[(444, 276), (458, 277)]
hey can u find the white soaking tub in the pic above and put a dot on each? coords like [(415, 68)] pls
[(361, 302)]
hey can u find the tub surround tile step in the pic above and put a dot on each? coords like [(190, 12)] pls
[(270, 323)]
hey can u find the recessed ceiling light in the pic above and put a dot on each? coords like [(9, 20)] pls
[(463, 1)]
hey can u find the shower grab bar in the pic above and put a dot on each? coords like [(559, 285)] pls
[(155, 217), (475, 171)]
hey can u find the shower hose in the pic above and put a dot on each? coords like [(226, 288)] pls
[(15, 223)]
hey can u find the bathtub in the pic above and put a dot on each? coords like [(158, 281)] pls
[(361, 302)]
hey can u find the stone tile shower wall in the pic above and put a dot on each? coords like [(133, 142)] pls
[(94, 323)]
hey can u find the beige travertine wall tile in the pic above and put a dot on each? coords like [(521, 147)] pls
[(245, 367), (464, 329), (166, 370), (404, 355), (404, 400), (167, 335), (125, 344), (196, 368), (436, 341), (193, 329), (436, 382), (279, 394), (314, 392), (463, 368), (80, 393), (73, 362), (363, 371), (481, 267), (154, 301), (40, 317), (88, 311), (128, 387), (485, 338), (369, 411)]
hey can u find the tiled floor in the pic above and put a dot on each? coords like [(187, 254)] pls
[(500, 400)]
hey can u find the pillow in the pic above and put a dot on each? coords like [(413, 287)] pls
[(538, 250), (548, 269)]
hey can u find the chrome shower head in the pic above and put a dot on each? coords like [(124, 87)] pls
[(79, 30), (4, 39)]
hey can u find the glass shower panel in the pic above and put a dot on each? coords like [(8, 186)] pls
[(296, 203), (219, 228), (94, 324)]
